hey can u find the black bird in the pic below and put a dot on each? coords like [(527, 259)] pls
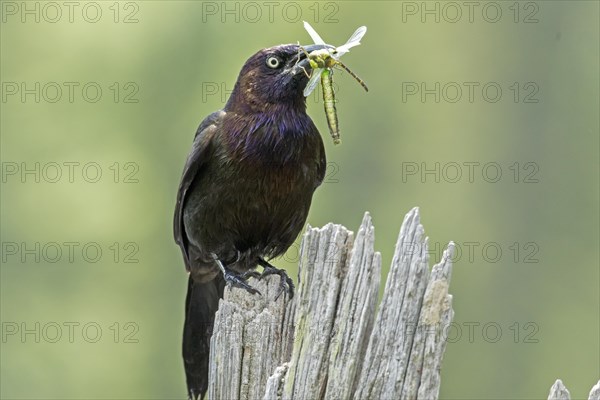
[(245, 192)]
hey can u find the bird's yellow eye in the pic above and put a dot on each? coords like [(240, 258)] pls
[(274, 62)]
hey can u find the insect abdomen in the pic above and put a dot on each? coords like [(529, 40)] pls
[(329, 104)]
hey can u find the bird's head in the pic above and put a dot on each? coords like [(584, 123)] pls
[(273, 77)]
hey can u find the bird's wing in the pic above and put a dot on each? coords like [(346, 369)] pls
[(322, 164), (196, 160), (321, 159)]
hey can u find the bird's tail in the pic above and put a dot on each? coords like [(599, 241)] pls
[(201, 304)]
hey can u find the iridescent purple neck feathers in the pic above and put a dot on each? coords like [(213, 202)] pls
[(277, 137)]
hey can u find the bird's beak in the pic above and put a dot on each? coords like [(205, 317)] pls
[(312, 47), (300, 64)]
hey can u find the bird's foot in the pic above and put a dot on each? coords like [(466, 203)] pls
[(251, 274), (285, 283), (236, 280)]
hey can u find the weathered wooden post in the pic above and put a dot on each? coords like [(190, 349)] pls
[(328, 342), (558, 391)]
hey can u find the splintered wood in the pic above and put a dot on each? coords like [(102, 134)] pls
[(558, 391), (332, 341)]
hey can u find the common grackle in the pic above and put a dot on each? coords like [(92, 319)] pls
[(245, 192)]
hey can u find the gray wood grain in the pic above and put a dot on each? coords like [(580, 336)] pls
[(558, 391), (332, 341), (595, 392)]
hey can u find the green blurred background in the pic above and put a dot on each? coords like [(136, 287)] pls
[(163, 66)]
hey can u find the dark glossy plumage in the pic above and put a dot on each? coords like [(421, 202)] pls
[(246, 189)]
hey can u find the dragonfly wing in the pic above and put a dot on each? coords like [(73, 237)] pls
[(313, 82), (313, 34), (357, 35), (353, 41)]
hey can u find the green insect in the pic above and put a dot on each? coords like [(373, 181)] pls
[(322, 63), (329, 104)]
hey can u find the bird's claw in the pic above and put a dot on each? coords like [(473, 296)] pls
[(234, 280), (250, 274), (239, 281), (285, 283)]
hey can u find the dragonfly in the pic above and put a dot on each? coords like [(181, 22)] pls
[(322, 63)]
